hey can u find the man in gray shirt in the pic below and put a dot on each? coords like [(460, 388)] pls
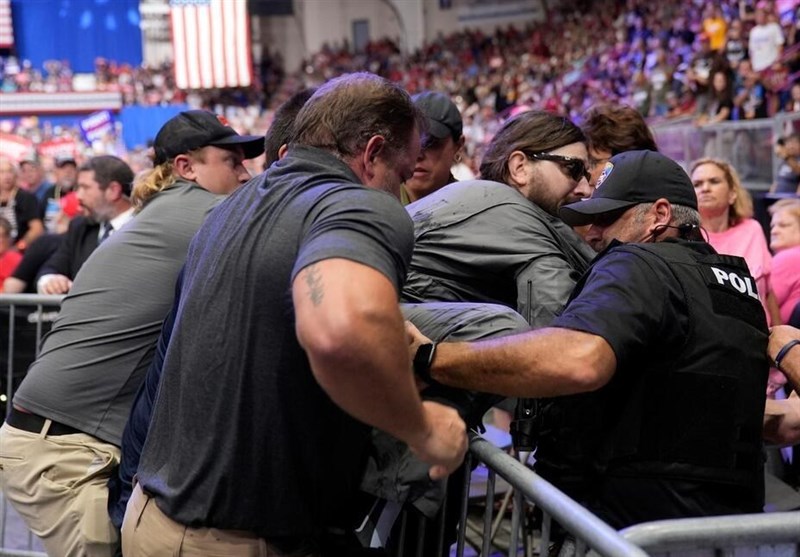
[(61, 441)]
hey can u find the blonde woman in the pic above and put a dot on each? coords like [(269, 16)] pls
[(726, 212), (785, 244)]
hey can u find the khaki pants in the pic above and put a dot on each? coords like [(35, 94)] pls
[(57, 483), (146, 531)]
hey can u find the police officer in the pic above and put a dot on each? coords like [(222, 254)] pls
[(666, 341)]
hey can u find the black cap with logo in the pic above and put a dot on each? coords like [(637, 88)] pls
[(194, 129), (631, 178)]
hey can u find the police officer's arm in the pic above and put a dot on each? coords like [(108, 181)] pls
[(544, 362), (782, 421), (350, 325), (780, 338)]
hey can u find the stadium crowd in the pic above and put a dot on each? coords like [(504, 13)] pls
[(583, 271), (684, 59)]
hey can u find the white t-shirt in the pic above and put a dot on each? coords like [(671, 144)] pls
[(764, 45)]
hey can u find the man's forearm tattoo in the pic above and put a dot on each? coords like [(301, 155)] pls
[(314, 282)]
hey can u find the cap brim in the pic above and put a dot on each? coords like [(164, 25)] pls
[(438, 130), (584, 212), (252, 145)]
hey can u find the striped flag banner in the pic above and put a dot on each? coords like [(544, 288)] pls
[(6, 26), (211, 42)]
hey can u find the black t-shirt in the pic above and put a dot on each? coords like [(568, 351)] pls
[(26, 209), (242, 436)]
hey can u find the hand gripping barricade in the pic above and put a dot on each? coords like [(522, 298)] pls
[(25, 318)]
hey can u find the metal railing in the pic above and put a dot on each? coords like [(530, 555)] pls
[(756, 535), (747, 144), (750, 534), (589, 531), (16, 319)]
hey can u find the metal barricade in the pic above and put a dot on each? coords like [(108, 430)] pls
[(752, 535), (25, 330), (589, 531), (761, 535)]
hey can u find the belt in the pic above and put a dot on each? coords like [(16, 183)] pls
[(34, 424)]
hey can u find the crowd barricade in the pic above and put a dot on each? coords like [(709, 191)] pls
[(770, 534), (754, 535), (25, 318), (749, 145)]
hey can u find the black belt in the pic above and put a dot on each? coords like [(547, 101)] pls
[(34, 424)]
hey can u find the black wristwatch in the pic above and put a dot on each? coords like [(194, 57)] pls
[(423, 360)]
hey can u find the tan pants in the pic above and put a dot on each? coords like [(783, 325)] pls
[(146, 531), (57, 483)]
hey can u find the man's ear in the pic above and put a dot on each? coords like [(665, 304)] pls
[(517, 169), (662, 212), (374, 148), (282, 150), (113, 191), (184, 167)]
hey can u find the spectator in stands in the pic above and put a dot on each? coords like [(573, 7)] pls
[(787, 180), (637, 458), (793, 102), (33, 178), (719, 106), (726, 211), (104, 195), (698, 74), (23, 279), (442, 144), (66, 173), (735, 45), (612, 129), (750, 100), (280, 131), (18, 207), (715, 27), (785, 244), (9, 257), (77, 395), (344, 274), (765, 42)]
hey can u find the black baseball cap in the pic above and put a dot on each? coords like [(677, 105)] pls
[(194, 129), (443, 116), (631, 178)]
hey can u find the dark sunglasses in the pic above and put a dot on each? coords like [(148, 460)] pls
[(576, 168)]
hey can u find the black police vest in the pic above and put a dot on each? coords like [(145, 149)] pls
[(691, 412)]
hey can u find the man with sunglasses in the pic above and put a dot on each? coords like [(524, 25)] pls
[(665, 413), (494, 241), (499, 239)]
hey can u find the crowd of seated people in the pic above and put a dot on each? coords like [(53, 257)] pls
[(725, 60)]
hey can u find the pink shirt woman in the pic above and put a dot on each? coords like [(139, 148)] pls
[(785, 242), (725, 213)]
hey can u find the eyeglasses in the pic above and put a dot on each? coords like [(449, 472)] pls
[(576, 168)]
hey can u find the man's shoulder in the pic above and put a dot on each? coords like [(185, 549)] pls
[(472, 197)]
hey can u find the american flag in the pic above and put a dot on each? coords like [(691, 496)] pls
[(6, 28), (211, 42)]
